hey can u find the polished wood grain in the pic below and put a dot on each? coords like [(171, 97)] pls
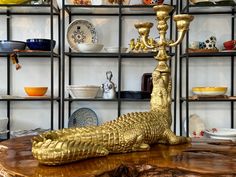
[(195, 159)]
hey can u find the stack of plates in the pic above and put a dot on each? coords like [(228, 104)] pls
[(221, 133)]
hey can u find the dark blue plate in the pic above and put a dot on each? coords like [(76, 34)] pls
[(83, 117), (40, 44)]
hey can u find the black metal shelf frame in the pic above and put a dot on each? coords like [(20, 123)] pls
[(37, 10), (195, 10), (30, 99), (121, 11)]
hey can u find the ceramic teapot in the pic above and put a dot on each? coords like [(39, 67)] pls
[(108, 88)]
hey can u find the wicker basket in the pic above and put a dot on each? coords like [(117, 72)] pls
[(83, 91)]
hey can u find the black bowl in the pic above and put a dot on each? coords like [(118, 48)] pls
[(135, 95), (40, 44)]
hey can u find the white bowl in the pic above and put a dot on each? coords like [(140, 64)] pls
[(3, 123), (83, 91), (115, 49), (89, 47)]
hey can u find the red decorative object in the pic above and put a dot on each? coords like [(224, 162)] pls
[(149, 2)]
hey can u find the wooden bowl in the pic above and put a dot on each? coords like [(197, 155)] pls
[(36, 91)]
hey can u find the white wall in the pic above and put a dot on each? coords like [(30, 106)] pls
[(36, 71)]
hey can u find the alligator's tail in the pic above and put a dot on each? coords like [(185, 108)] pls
[(52, 151)]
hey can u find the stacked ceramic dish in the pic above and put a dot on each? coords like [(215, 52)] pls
[(10, 46), (221, 133), (115, 49), (82, 37)]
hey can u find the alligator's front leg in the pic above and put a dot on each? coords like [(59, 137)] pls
[(170, 138), (136, 138)]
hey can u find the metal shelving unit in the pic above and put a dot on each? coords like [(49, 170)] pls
[(120, 11), (32, 10), (207, 10)]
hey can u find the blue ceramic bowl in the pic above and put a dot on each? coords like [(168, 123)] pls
[(9, 46), (40, 44)]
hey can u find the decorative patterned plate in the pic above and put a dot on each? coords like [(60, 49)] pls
[(83, 117), (80, 31), (221, 133)]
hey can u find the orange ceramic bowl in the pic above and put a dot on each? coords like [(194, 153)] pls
[(36, 91)]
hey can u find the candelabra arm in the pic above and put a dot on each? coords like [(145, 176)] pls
[(143, 30), (145, 42), (182, 23), (179, 40)]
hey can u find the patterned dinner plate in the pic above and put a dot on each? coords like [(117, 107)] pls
[(83, 117), (80, 31)]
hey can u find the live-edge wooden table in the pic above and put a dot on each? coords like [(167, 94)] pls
[(195, 159)]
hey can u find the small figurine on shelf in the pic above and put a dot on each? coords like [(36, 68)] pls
[(209, 45), (82, 2), (14, 58), (109, 88), (116, 1), (149, 2), (132, 44), (139, 46)]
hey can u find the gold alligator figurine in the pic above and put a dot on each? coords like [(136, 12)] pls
[(131, 132)]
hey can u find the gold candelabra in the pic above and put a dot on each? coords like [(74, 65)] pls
[(134, 131), (162, 14)]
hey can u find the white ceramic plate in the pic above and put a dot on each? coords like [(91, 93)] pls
[(115, 49), (221, 132), (80, 31), (222, 138)]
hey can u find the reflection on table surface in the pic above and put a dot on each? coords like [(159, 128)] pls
[(216, 158)]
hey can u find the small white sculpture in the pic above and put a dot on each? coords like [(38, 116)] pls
[(109, 88)]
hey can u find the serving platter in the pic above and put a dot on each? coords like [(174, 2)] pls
[(221, 132), (80, 31)]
